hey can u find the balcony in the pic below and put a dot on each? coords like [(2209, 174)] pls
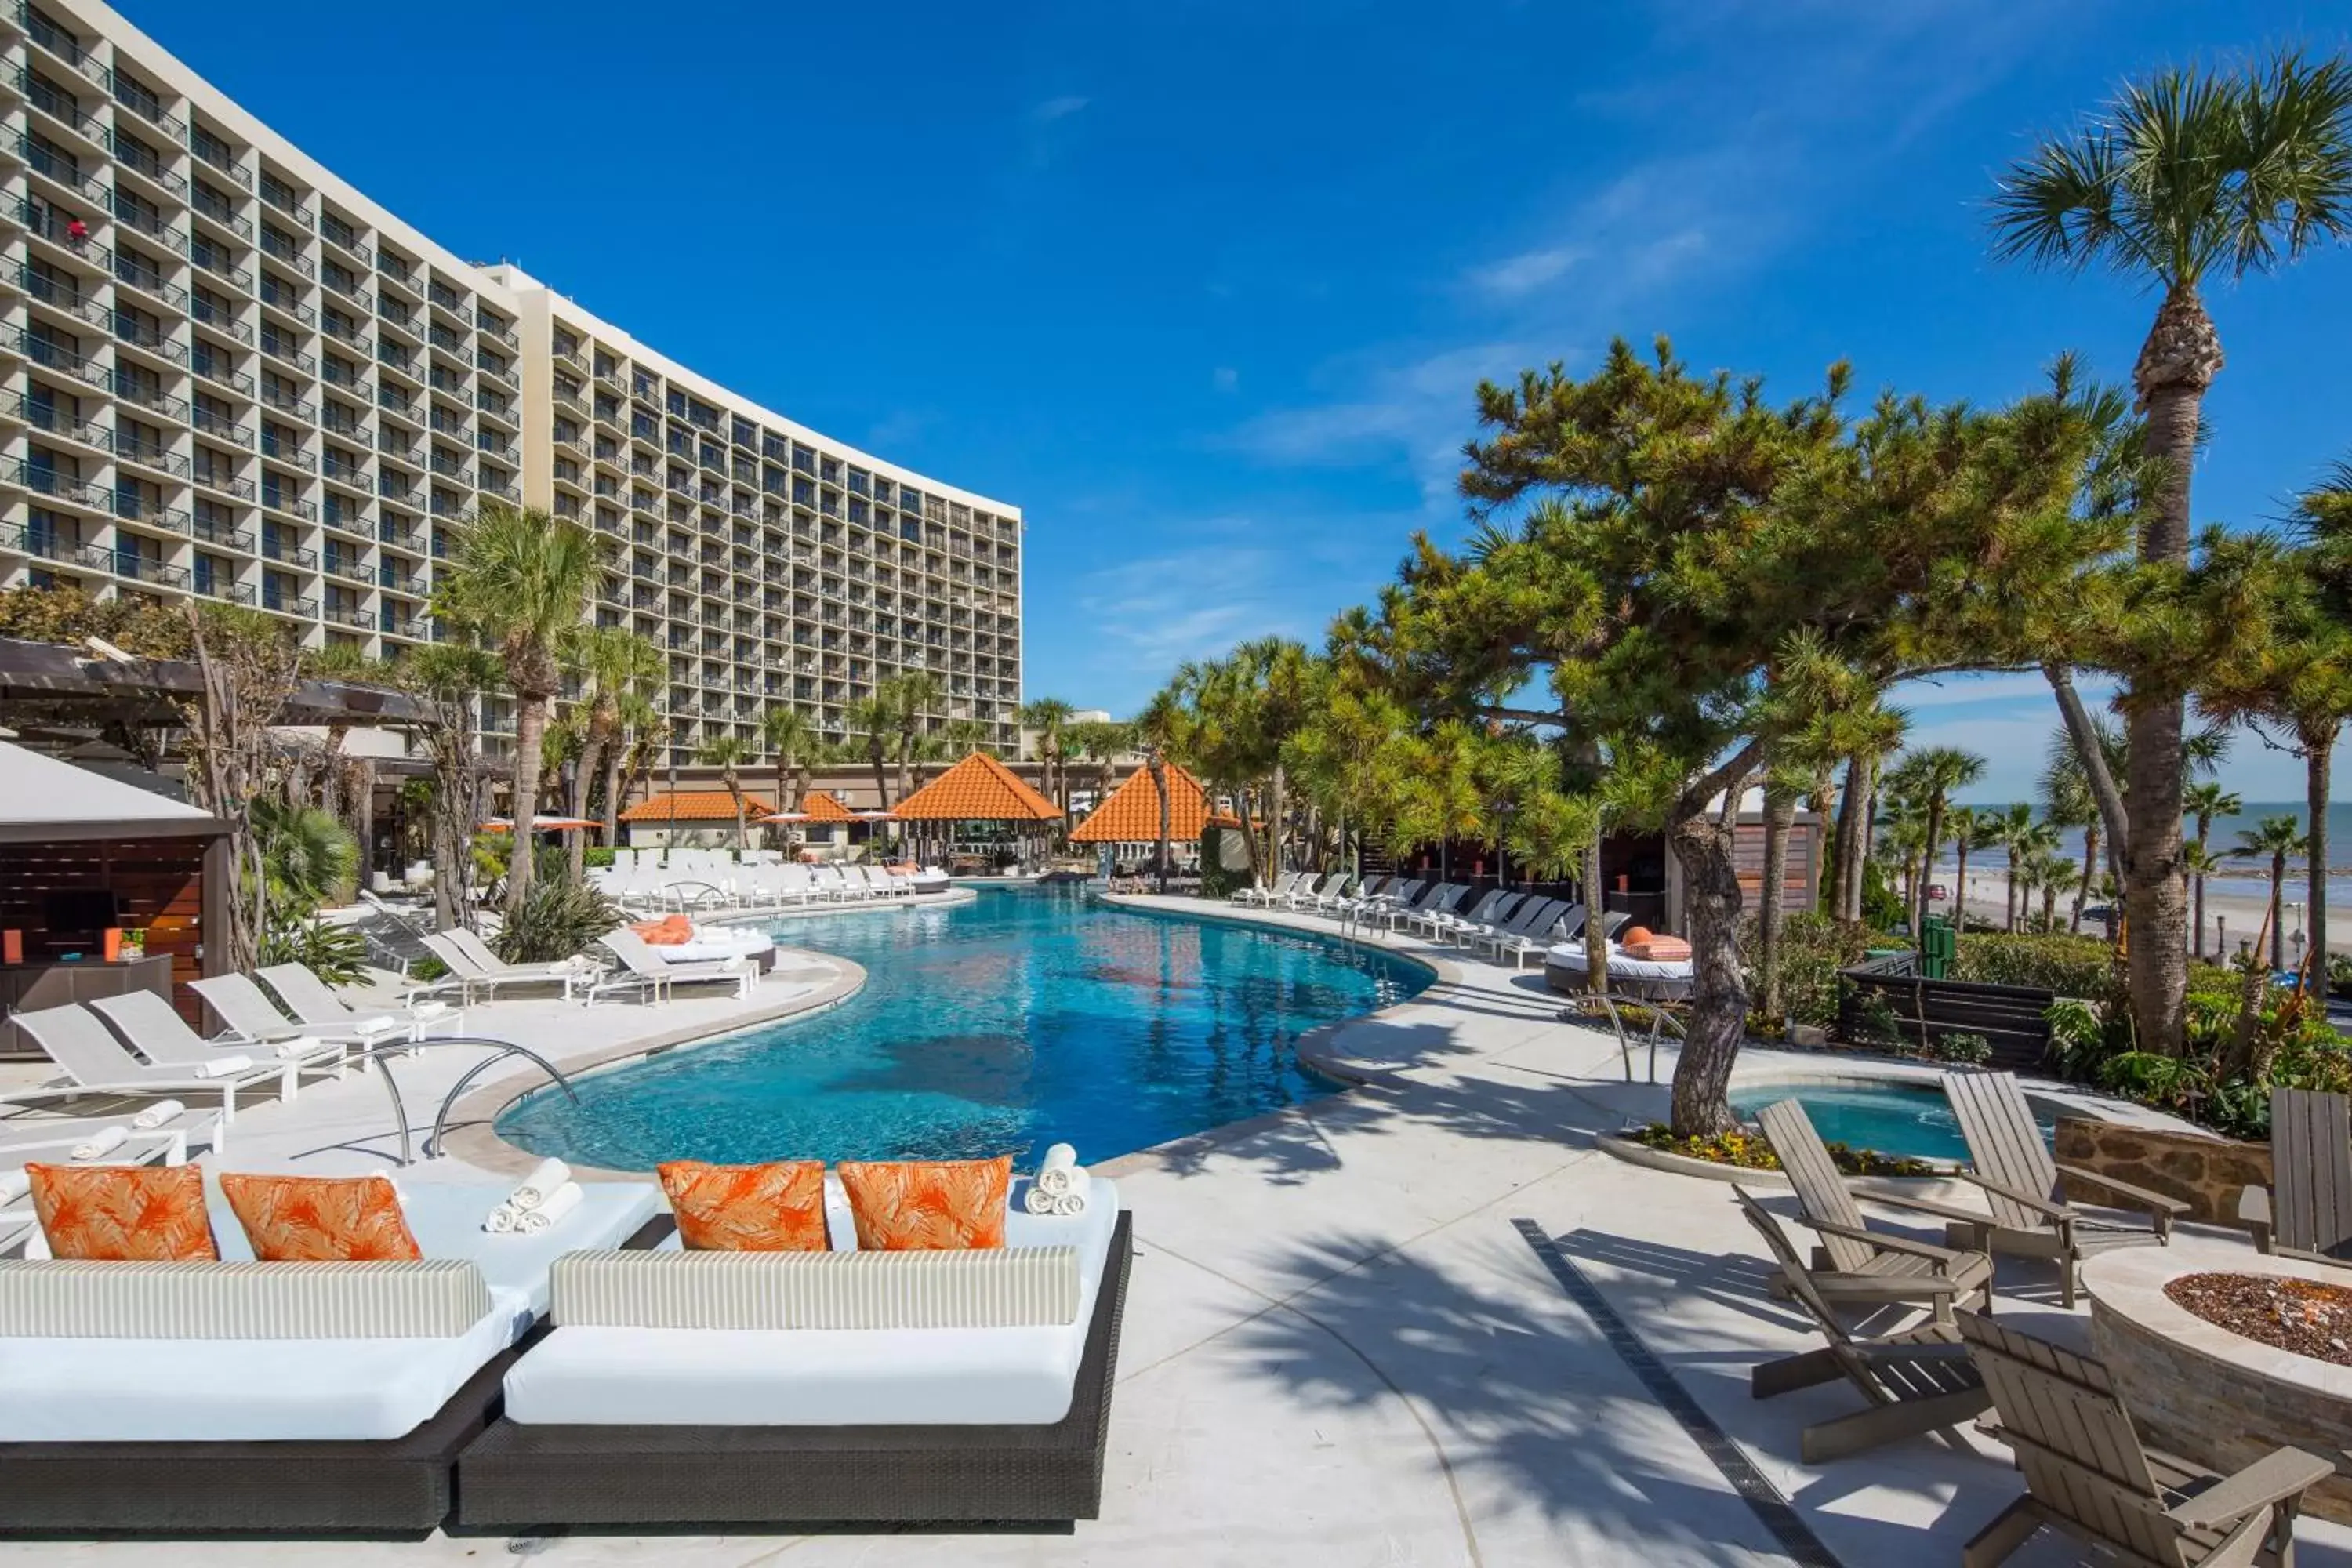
[(286, 298), (214, 585), (62, 295), (449, 382), (279, 398), (349, 565), (278, 449), (150, 514), (415, 628), (60, 169), (136, 215), (281, 349), (345, 239), (51, 420), (398, 362), (149, 454), (213, 367), (490, 447), (221, 479), (401, 536), (48, 481), (394, 581), (63, 44), (210, 532), (147, 339), (441, 337), (286, 604), (220, 425), (345, 331), (490, 329), (215, 261), (220, 316), (348, 474), (501, 374), (354, 616), (147, 569), (274, 547)]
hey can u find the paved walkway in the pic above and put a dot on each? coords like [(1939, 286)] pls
[(1343, 1347)]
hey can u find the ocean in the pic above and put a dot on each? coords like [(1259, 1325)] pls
[(2247, 878)]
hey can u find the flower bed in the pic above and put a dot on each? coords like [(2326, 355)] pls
[(1749, 1152)]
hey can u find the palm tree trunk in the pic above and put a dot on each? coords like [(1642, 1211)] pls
[(531, 730), (1596, 944), (2278, 909), (2090, 869), (1927, 858), (881, 780), (2009, 916), (1820, 796), (612, 792), (2318, 748), (1718, 1015), (1961, 886), (582, 771), (1847, 904), (1779, 813), (1273, 822), (1159, 786)]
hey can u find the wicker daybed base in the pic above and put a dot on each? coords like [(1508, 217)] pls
[(516, 1477), (393, 1487)]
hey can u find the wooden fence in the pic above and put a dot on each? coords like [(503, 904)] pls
[(2014, 1018)]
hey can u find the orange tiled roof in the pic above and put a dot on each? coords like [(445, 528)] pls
[(822, 807), (695, 805), (1131, 814), (977, 789)]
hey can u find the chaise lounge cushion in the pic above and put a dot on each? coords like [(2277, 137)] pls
[(601, 1377)]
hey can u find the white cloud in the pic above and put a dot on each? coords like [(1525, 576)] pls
[(1961, 690), (1527, 271), (1194, 603), (1054, 109)]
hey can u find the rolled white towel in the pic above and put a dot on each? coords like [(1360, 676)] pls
[(224, 1066), (1070, 1205), (423, 1010), (500, 1220), (558, 1202), (299, 1046), (1061, 1164), (1037, 1199), (14, 1185), (102, 1142), (537, 1188), (381, 1024), (157, 1114)]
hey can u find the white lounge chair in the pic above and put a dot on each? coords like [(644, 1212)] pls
[(77, 1040), (1427, 916), (473, 973), (153, 1028), (1260, 893), (1531, 934), (1487, 911), (240, 1002), (1306, 892), (647, 971), (315, 1006), (165, 1141)]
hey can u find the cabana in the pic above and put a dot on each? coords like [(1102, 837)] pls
[(978, 789), (82, 855), (702, 818), (1128, 821)]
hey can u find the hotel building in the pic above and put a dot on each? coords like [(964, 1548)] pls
[(228, 375)]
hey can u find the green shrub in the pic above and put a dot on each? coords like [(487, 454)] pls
[(597, 855), (1880, 907), (1973, 1050), (336, 954), (1813, 948), (557, 920), (2070, 965), (1217, 881), (1747, 1150)]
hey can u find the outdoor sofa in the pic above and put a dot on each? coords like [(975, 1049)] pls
[(704, 1388), (258, 1399)]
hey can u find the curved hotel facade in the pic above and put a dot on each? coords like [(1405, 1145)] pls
[(229, 374)]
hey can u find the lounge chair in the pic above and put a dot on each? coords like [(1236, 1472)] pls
[(1504, 909), (1439, 905), (472, 973), (1854, 1263), (1917, 1378), (1303, 893), (153, 1028), (1489, 911), (239, 1002), (2030, 1215), (77, 1040), (1397, 891), (2307, 1212), (2087, 1473), (1333, 895), (316, 1007), (1261, 893), (647, 971), (1534, 930), (55, 1138)]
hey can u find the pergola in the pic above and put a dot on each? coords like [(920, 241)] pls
[(977, 789)]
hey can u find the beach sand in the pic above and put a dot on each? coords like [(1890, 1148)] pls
[(2232, 918)]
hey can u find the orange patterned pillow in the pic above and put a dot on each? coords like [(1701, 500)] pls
[(119, 1213), (320, 1219), (778, 1208), (914, 1206)]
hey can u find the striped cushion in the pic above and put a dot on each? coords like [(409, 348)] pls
[(439, 1298), (995, 1287)]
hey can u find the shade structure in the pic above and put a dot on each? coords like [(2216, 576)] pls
[(819, 806), (542, 824), (786, 818), (977, 789), (694, 805), (876, 815), (1131, 814)]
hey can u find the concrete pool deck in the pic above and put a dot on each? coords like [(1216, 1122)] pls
[(1341, 1346)]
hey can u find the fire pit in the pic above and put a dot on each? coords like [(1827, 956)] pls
[(2206, 1342)]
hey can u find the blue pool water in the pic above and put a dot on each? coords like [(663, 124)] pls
[(1030, 1016), (1892, 1118)]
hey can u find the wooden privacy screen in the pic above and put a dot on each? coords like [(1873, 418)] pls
[(158, 881)]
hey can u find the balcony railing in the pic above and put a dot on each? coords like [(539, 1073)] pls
[(276, 347), (275, 548), (500, 374), (286, 604), (349, 474), (399, 405), (279, 398), (226, 483), (137, 508), (59, 106), (280, 450), (147, 569), (348, 242), (216, 585), (150, 110), (349, 566), (281, 296), (149, 454)]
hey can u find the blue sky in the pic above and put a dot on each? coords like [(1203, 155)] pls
[(1206, 288)]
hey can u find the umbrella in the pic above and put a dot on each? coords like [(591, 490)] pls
[(541, 824), (787, 817), (876, 816)]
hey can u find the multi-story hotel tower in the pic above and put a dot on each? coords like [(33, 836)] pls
[(228, 374)]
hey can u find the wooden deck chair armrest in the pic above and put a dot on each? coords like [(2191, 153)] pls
[(2042, 1207), (1919, 1205), (1887, 1242), (2155, 1203), (2280, 1474), (2254, 1214)]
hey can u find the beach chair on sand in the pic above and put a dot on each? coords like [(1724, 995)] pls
[(1855, 1264), (2030, 1215), (1917, 1379), (2307, 1212), (2087, 1474)]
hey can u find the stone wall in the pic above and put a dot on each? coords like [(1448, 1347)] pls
[(2205, 1172)]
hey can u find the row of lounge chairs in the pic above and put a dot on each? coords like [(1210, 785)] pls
[(749, 886), (2087, 1472), (1501, 923)]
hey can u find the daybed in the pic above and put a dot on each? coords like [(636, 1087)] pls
[(275, 1398), (1642, 979), (760, 1388)]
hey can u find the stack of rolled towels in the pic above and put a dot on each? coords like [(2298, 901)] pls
[(546, 1195), (1059, 1187)]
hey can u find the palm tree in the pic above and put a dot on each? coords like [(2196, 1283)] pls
[(1050, 716), (519, 579), (1100, 742), (1865, 735), (2184, 177), (2012, 831), (792, 741), (2278, 838), (612, 662), (1967, 833), (2200, 863), (2205, 800), (873, 719), (728, 754), (1929, 776), (1159, 730), (908, 697), (2066, 802)]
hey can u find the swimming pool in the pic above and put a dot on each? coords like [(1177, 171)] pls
[(1891, 1117), (1029, 1016)]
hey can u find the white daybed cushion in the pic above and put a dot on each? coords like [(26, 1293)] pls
[(713, 943), (1622, 964), (825, 1377), (991, 1287)]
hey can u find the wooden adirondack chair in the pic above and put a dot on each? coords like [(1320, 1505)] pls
[(1853, 1263), (1917, 1379), (2086, 1473), (2030, 1215), (2307, 1212)]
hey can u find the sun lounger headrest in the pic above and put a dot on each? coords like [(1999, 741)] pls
[(434, 1298)]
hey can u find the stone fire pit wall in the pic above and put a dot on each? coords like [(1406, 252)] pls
[(2204, 1171)]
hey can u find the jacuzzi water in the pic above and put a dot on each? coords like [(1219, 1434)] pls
[(1893, 1117), (1027, 1017)]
